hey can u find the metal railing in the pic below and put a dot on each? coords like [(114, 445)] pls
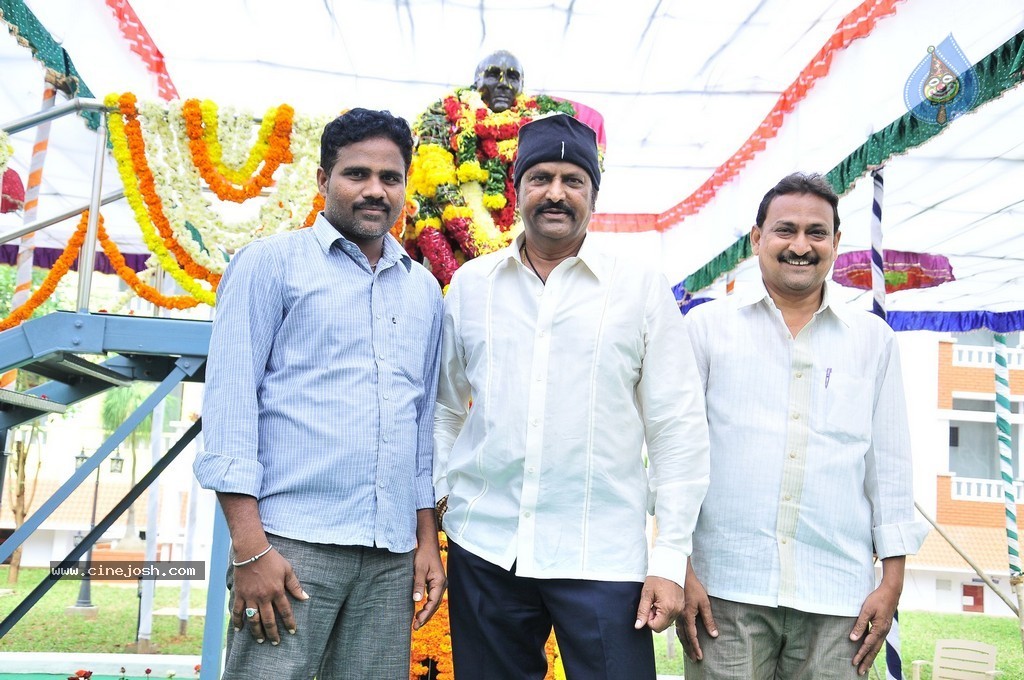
[(87, 256), (985, 357), (986, 490)]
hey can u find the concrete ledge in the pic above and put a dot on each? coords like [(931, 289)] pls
[(100, 664)]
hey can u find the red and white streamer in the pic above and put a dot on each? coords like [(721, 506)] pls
[(142, 44)]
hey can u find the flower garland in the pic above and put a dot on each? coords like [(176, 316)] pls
[(179, 182), (232, 170), (460, 179), (49, 284), (130, 155), (278, 151), (432, 644), (6, 151), (67, 258)]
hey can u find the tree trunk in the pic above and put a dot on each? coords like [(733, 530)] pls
[(18, 509)]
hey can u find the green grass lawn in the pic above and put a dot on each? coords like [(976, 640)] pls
[(46, 628), (918, 633)]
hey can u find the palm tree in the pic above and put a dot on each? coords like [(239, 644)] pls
[(118, 404)]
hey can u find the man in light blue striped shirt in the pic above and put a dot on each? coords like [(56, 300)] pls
[(318, 421)]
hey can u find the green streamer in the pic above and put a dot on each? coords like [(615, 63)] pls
[(30, 33), (997, 73)]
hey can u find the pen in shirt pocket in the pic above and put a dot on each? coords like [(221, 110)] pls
[(828, 376)]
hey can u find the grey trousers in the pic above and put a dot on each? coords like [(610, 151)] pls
[(356, 624), (773, 643)]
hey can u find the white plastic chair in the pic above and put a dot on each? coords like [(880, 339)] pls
[(960, 660)]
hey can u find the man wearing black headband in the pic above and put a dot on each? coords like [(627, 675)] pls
[(559, 362)]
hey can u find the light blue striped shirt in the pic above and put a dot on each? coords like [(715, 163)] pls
[(320, 388)]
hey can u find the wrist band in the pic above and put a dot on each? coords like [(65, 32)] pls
[(252, 559)]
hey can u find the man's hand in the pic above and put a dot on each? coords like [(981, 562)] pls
[(876, 614), (697, 602), (264, 585), (661, 601), (428, 572)]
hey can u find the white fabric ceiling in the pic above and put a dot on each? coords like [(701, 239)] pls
[(681, 86)]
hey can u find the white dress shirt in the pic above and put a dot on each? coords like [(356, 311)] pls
[(567, 381), (810, 455)]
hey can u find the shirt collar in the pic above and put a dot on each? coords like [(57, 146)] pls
[(757, 292), (326, 235), (590, 255)]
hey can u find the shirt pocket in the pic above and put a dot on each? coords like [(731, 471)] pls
[(849, 405), (411, 334)]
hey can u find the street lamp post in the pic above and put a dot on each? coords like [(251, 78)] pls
[(84, 602)]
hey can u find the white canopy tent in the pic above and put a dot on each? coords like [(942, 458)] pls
[(681, 86)]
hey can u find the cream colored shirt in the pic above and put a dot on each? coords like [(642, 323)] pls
[(810, 455), (567, 381)]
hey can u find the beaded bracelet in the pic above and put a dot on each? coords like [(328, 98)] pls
[(252, 559)]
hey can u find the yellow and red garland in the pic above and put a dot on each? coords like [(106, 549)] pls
[(460, 177)]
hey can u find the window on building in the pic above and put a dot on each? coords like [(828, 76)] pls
[(954, 436)]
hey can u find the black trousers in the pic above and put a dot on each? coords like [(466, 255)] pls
[(500, 622)]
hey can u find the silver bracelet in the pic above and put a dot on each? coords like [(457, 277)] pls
[(253, 558)]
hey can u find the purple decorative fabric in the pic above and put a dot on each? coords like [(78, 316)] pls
[(903, 270)]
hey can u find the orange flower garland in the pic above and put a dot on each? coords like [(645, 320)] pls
[(128, 275), (49, 284), (63, 265), (137, 148), (278, 152)]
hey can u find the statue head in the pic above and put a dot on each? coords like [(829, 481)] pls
[(499, 78)]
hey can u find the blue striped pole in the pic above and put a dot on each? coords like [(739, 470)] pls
[(877, 261), (893, 660)]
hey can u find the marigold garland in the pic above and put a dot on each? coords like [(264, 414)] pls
[(278, 152), (67, 259), (129, 152), (211, 134), (462, 162)]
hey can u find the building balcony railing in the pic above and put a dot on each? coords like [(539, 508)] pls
[(985, 357), (988, 490)]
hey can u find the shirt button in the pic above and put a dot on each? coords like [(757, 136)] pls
[(533, 423), (541, 333), (380, 484), (381, 357), (784, 541), (788, 497), (792, 454), (799, 374), (526, 514), (530, 469), (386, 440), (386, 397), (796, 416), (378, 317)]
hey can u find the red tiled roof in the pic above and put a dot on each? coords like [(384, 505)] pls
[(986, 546), (76, 511)]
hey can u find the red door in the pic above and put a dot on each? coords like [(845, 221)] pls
[(974, 598)]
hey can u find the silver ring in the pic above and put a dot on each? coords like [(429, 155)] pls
[(251, 613)]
